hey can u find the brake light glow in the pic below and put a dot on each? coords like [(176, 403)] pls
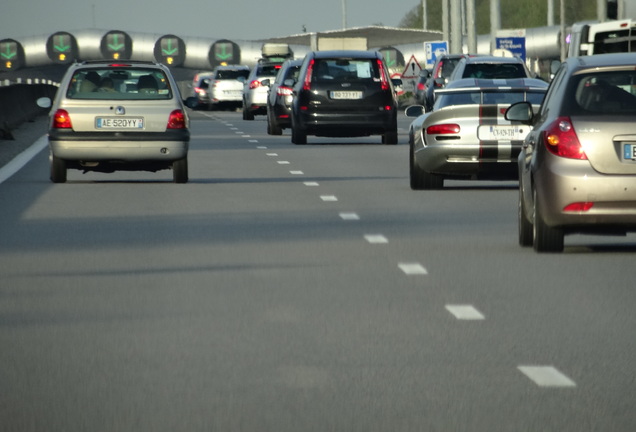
[(284, 91), (384, 80), (255, 84), (119, 65), (578, 207), (61, 120), (310, 70), (561, 140), (177, 120), (421, 86), (199, 90), (443, 129)]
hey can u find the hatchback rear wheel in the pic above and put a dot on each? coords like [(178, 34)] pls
[(546, 238), (180, 170), (525, 226), (58, 170)]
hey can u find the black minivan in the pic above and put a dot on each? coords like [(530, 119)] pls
[(344, 94)]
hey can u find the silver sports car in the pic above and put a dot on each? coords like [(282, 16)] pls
[(466, 135)]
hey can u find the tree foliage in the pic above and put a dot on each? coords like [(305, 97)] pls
[(514, 14)]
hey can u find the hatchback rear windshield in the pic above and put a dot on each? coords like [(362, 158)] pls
[(603, 94), (494, 70), (488, 98), (325, 70), (119, 84)]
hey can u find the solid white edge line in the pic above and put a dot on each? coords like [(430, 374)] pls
[(546, 376), (23, 158)]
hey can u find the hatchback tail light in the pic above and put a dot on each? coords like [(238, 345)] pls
[(384, 79), (284, 91), (177, 120), (310, 70), (561, 140), (61, 120), (255, 84), (578, 207), (443, 129)]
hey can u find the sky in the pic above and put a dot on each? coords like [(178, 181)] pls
[(217, 19)]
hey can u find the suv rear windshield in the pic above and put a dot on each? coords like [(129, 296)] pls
[(603, 94), (119, 84), (232, 74), (326, 70)]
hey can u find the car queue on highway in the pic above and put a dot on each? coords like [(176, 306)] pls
[(574, 154)]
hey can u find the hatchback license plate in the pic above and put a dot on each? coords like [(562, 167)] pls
[(119, 123), (346, 95), (629, 152), (502, 132)]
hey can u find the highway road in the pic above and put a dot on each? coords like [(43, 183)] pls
[(301, 288)]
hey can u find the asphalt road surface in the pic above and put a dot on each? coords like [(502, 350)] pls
[(301, 288)]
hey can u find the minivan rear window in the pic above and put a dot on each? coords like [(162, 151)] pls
[(345, 70), (119, 84)]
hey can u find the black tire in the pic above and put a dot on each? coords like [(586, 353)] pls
[(58, 170), (390, 137), (247, 115), (180, 170), (525, 226), (298, 134), (420, 179), (272, 127), (546, 238)]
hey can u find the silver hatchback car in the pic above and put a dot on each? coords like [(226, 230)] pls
[(118, 116), (577, 168)]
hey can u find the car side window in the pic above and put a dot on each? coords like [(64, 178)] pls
[(549, 101)]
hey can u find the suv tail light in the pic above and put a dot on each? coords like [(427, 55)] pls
[(177, 120), (284, 91), (443, 129), (310, 70), (255, 84), (384, 79), (61, 120), (561, 140)]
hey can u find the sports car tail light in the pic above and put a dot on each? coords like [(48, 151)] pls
[(443, 129), (284, 91), (310, 70), (384, 80), (578, 207), (61, 120), (255, 84), (177, 120), (561, 140)]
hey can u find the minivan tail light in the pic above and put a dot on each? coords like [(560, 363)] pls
[(561, 140), (384, 79), (443, 129), (61, 120), (310, 71), (177, 120), (255, 84)]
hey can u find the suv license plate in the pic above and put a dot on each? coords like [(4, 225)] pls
[(346, 95), (629, 152), (119, 123)]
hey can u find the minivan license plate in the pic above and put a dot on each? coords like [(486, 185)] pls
[(119, 123), (346, 95), (629, 152)]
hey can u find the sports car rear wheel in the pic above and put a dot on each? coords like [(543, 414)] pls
[(420, 179)]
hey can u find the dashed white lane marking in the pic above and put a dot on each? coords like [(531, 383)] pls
[(310, 183), (349, 216), (239, 133), (376, 238), (255, 141), (233, 128), (296, 172), (413, 268), (271, 154), (283, 162), (465, 312), (328, 198), (547, 376), (246, 136)]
